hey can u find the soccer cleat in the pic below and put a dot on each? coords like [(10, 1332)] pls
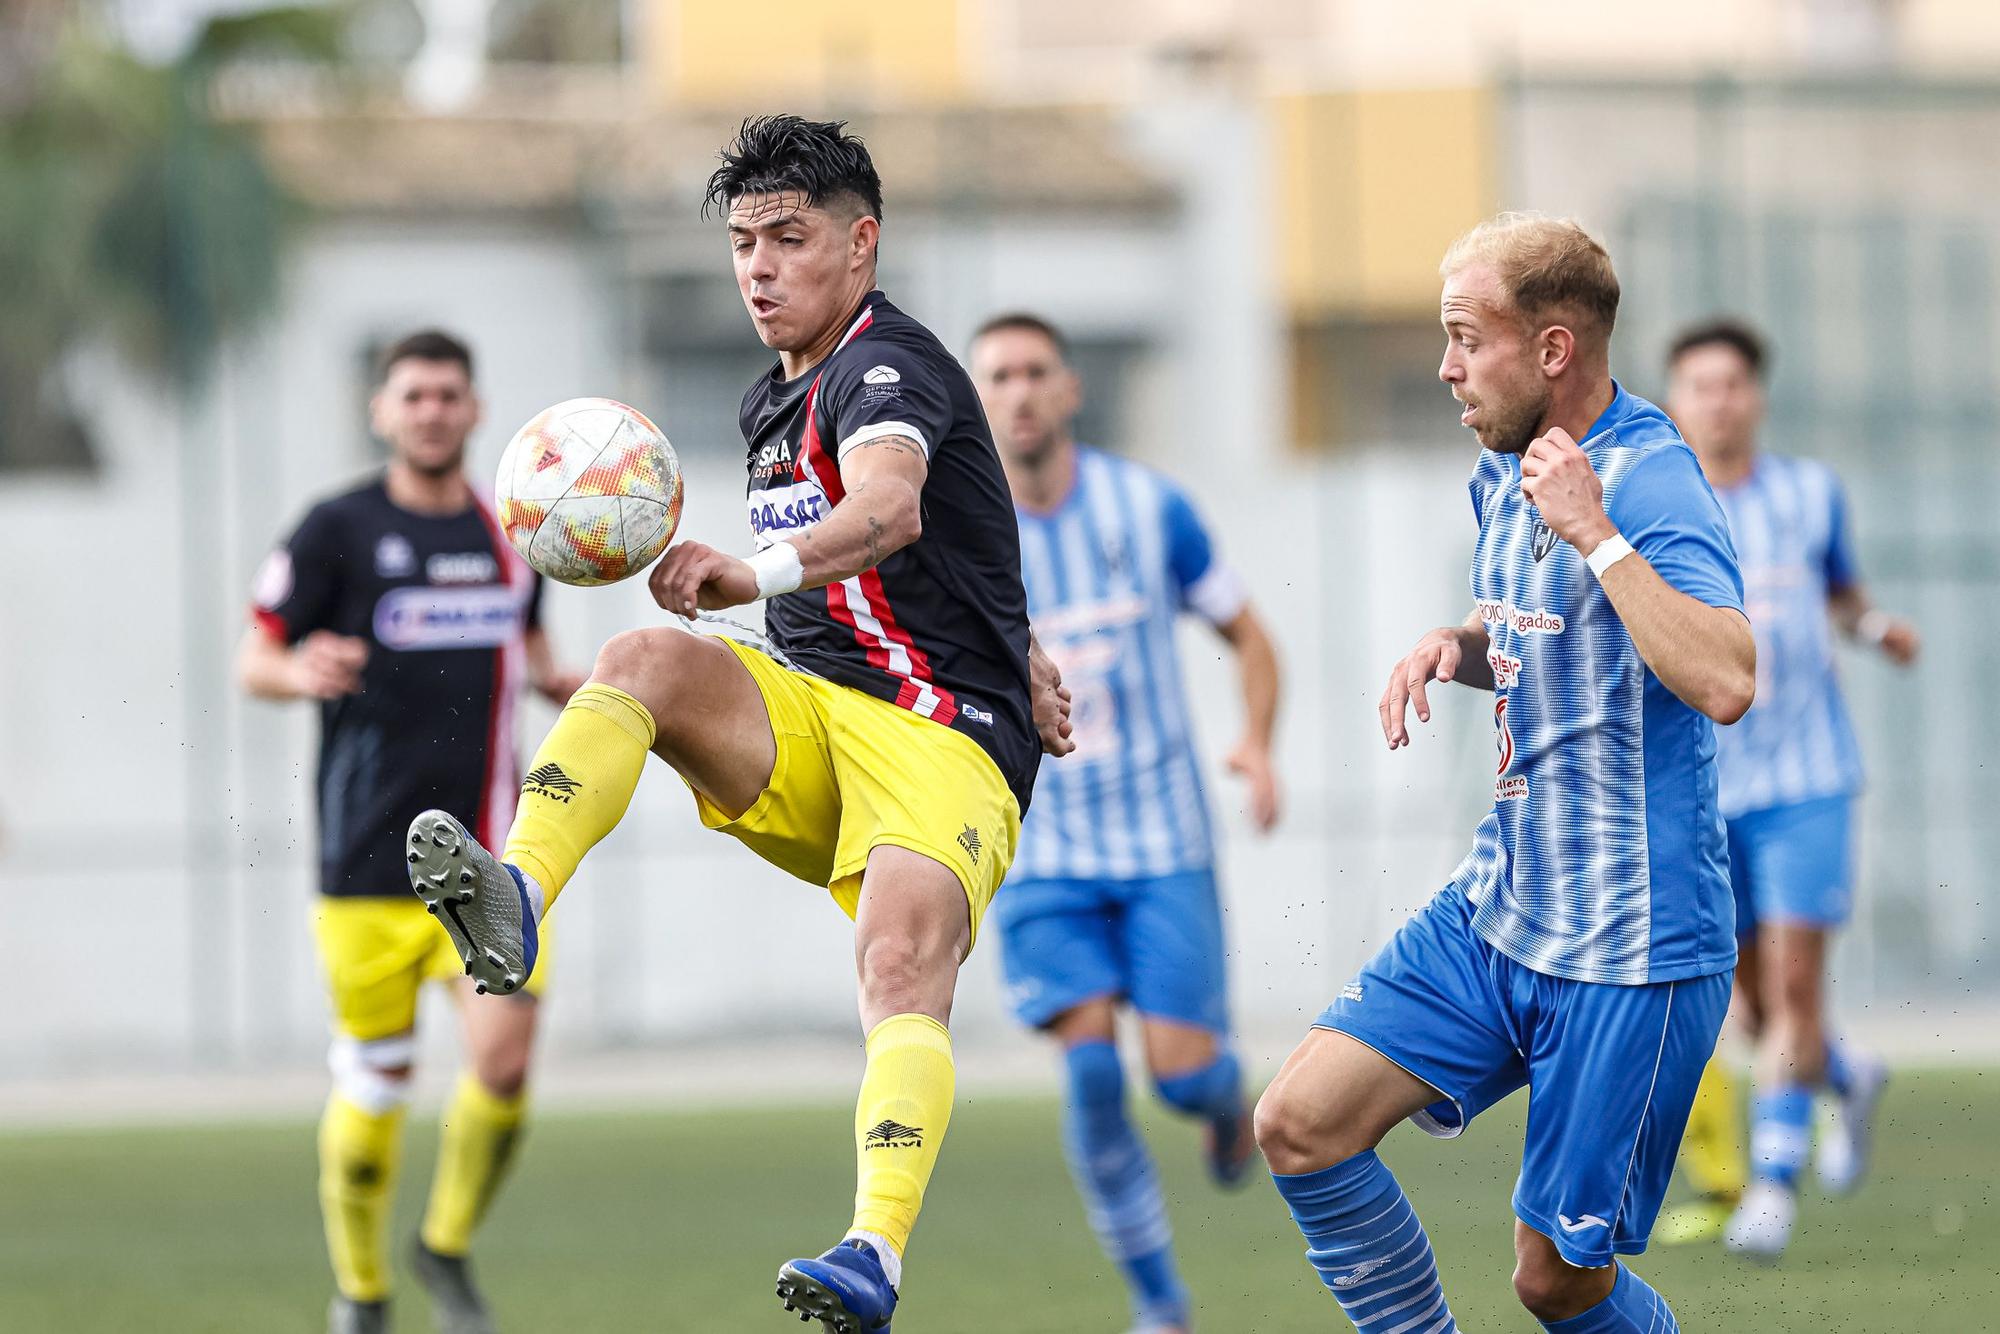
[(1695, 1222), (480, 900), (456, 1306), (1230, 1146), (351, 1317), (845, 1290), (1762, 1224), (1849, 1134)]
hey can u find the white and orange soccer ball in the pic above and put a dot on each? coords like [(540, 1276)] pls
[(589, 491)]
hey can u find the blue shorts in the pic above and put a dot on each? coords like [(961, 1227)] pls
[(1610, 1070), (1156, 942), (1793, 864)]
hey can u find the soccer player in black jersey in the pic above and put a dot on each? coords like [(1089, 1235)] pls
[(401, 609), (882, 744)]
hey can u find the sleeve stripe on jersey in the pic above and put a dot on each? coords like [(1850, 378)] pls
[(271, 624), (862, 605), (878, 431)]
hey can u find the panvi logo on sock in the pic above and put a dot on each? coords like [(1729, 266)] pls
[(550, 781), (893, 1135)]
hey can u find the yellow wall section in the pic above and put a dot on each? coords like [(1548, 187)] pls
[(724, 50), (1373, 185)]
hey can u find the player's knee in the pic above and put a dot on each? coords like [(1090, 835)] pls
[(1292, 1135), (373, 1074), (502, 1073), (898, 975), (1551, 1289), (645, 664)]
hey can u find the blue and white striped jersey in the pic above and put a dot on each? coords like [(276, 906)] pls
[(1108, 571), (1603, 859), (1789, 520)]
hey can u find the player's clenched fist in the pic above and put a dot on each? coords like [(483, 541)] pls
[(1557, 479), (1438, 656), (694, 576)]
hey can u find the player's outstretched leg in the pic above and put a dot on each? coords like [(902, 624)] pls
[(1856, 1081), (1318, 1125), (1121, 1191)]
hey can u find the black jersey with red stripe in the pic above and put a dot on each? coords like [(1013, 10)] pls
[(941, 626), (442, 602)]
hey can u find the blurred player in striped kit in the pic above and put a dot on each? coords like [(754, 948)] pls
[(1113, 899), (1790, 771)]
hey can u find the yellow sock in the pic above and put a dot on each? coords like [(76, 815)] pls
[(899, 1124), (358, 1153), (1714, 1153), (475, 1147), (579, 785)]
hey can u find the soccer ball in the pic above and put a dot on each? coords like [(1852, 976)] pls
[(589, 491)]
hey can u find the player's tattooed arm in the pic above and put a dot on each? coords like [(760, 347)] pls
[(881, 514)]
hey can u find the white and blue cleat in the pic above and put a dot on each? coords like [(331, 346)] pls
[(846, 1290), (481, 901), (1847, 1137)]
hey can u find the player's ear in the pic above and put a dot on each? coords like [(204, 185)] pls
[(864, 238), (377, 404), (1556, 348)]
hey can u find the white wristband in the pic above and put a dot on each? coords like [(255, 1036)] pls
[(1874, 626), (1607, 554), (778, 569)]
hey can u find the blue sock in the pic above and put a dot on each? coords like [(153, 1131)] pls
[(1212, 1092), (1370, 1250), (1121, 1192), (1781, 1133), (1839, 1074), (1632, 1308)]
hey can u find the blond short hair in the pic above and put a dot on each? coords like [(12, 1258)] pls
[(1551, 268)]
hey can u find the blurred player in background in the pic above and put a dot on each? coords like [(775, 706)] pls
[(1113, 898), (399, 606), (1790, 771), (1583, 946), (884, 745)]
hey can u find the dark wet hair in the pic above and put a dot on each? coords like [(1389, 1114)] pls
[(1021, 319), (789, 154), (424, 345), (1729, 333)]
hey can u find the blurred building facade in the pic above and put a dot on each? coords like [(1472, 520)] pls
[(1237, 210)]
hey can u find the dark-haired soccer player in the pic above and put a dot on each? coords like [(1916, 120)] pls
[(401, 609), (1790, 771), (1583, 947), (1113, 897), (884, 745)]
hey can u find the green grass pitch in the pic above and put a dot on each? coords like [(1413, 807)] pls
[(677, 1222)]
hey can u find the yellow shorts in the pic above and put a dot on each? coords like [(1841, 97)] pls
[(855, 773), (377, 954)]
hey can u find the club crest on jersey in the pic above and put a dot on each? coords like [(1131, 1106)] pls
[(882, 375), (395, 557), (1544, 539)]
